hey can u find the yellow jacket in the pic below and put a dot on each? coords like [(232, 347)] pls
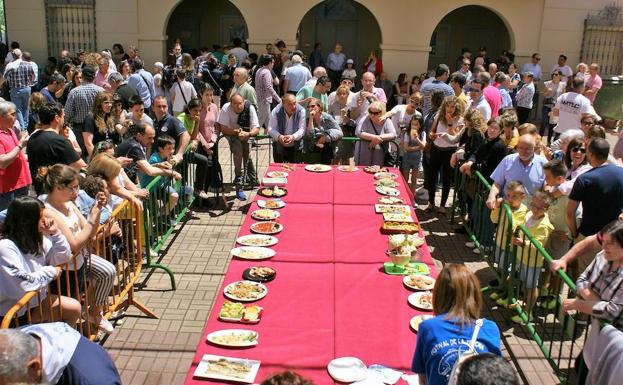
[(540, 229), (518, 217)]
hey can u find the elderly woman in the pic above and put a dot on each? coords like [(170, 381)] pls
[(447, 125), (457, 303), (375, 133), (322, 130)]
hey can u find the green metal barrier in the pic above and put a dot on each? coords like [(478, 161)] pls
[(526, 285)]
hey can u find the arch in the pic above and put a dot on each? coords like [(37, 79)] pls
[(345, 21), (470, 26), (204, 23)]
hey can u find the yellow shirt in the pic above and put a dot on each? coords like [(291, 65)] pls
[(540, 229), (518, 218), (512, 142)]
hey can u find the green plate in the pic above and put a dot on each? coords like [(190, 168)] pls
[(411, 268)]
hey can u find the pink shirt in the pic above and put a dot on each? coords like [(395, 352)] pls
[(102, 79), (17, 174), (208, 133), (593, 82), (494, 98)]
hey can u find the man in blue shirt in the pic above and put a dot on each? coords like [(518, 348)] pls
[(441, 77), (335, 64), (143, 82), (295, 76), (524, 166), (57, 82)]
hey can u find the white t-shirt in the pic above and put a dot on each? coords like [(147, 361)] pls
[(566, 71), (401, 117), (571, 106), (189, 93), (58, 344), (229, 117)]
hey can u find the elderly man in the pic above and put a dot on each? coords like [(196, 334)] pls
[(14, 174), (20, 75), (286, 127), (316, 74), (369, 93), (53, 353), (524, 166), (238, 121), (295, 76), (103, 72), (165, 123), (242, 87), (318, 91)]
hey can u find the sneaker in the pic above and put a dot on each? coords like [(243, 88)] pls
[(237, 180), (549, 304), (518, 320), (502, 301), (102, 324), (241, 195), (496, 295), (203, 195), (471, 245), (476, 251), (173, 222)]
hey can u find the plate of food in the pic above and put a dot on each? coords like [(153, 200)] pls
[(392, 209), (390, 201), (288, 167), (390, 191), (252, 253), (227, 368), (259, 274), (398, 217), (347, 369), (419, 282), (386, 182), (233, 338), (245, 291), (275, 192), (270, 227), (277, 174), (318, 168), (385, 175), (422, 300), (257, 240), (238, 312), (345, 168), (270, 203), (265, 214), (417, 320), (374, 169), (399, 228)]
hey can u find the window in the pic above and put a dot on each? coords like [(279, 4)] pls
[(70, 25)]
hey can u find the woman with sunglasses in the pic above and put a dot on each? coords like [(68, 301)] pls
[(374, 131), (576, 162), (553, 89), (99, 124)]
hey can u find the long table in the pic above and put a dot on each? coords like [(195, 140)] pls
[(330, 297)]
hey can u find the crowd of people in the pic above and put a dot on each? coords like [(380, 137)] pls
[(90, 131)]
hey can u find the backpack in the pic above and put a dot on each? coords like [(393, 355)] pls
[(456, 369)]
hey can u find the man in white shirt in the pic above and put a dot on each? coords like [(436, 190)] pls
[(361, 100), (567, 72), (238, 120), (533, 67), (571, 107), (478, 99), (286, 127)]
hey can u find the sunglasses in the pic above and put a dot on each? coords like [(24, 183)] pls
[(579, 149), (374, 112)]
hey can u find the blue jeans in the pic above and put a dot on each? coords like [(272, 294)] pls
[(20, 97), (7, 197)]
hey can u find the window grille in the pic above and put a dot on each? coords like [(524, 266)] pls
[(70, 25)]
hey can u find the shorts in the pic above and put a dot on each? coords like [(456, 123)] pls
[(529, 275), (411, 161)]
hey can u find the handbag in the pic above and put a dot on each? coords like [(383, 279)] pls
[(429, 143), (389, 158)]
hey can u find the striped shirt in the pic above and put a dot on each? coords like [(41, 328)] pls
[(608, 285), (264, 86), (19, 74), (80, 102)]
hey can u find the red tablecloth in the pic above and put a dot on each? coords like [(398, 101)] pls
[(330, 297)]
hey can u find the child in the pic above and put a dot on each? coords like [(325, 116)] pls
[(515, 194), (530, 261), (136, 114), (509, 124), (413, 142)]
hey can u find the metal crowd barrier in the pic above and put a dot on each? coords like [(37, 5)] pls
[(124, 251), (559, 336)]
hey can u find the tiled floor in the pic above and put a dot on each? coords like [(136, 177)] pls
[(159, 351)]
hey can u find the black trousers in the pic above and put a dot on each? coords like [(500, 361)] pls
[(283, 154), (439, 160)]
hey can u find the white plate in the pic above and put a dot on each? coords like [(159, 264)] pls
[(255, 297), (417, 320), (214, 337), (272, 214), (246, 252), (428, 282), (379, 208), (250, 240), (248, 378), (344, 168), (397, 217), (414, 300), (385, 174), (318, 168), (277, 174), (347, 369), (262, 203), (278, 227), (388, 191)]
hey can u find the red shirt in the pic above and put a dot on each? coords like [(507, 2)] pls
[(17, 174)]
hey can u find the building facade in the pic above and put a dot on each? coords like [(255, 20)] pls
[(410, 35)]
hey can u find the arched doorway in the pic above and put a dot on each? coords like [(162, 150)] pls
[(204, 23), (471, 26), (340, 21)]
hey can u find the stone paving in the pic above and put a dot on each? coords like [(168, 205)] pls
[(159, 351)]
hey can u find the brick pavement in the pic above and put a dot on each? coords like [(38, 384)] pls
[(159, 351)]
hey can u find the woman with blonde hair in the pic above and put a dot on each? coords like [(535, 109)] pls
[(99, 124), (375, 132), (457, 305), (447, 126), (109, 168)]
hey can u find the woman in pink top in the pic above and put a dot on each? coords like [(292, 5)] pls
[(204, 140)]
